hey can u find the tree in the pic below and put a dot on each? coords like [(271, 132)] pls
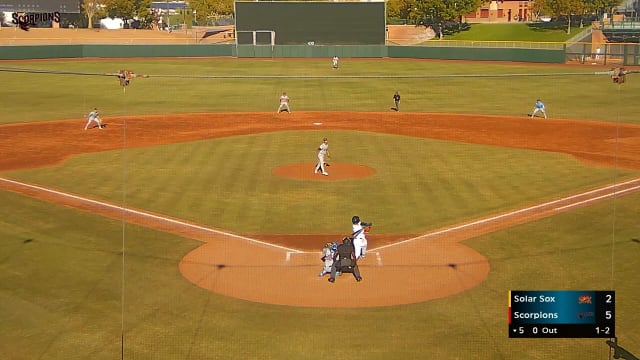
[(130, 9), (91, 8), (567, 8), (560, 8), (211, 8), (602, 6), (439, 13), (400, 9)]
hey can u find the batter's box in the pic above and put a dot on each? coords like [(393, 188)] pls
[(297, 258)]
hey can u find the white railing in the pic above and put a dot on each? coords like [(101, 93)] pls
[(495, 44)]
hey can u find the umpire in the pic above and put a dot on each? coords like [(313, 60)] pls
[(344, 260)]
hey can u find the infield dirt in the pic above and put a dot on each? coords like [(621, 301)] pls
[(401, 269)]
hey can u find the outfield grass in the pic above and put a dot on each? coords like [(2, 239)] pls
[(29, 97)]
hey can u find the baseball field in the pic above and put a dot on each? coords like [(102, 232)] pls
[(190, 227)]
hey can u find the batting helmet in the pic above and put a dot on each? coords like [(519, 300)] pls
[(355, 219)]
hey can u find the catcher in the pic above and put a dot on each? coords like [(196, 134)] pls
[(328, 251)]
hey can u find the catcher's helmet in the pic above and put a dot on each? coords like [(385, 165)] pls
[(355, 219)]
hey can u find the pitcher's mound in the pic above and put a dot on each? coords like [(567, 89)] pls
[(337, 171)]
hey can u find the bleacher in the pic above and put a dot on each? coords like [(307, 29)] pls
[(621, 29)]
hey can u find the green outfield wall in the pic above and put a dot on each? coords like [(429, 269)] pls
[(293, 51), (477, 53), (113, 51)]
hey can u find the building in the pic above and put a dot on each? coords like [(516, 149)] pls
[(503, 11)]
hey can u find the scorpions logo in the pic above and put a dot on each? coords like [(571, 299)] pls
[(25, 20)]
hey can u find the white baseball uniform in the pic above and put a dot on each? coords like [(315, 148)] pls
[(327, 255), (284, 103), (359, 240), (94, 116), (334, 62), (323, 150)]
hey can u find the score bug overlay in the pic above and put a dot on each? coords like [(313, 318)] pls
[(561, 314)]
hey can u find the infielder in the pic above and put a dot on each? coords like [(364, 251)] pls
[(396, 101), (359, 236), (539, 107), (284, 103), (94, 116), (323, 152)]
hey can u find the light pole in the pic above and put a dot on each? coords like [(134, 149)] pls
[(195, 33)]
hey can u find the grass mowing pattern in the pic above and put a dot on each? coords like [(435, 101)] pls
[(576, 97), (69, 312), (54, 307), (420, 184)]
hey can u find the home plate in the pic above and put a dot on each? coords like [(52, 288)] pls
[(317, 124)]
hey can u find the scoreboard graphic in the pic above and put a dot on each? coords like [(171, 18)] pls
[(40, 6), (561, 314)]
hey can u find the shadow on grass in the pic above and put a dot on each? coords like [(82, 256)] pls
[(549, 26)]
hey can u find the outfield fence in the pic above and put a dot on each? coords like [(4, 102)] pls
[(14, 48)]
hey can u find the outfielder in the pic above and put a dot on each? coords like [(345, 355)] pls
[(323, 152), (334, 62), (284, 103), (94, 116), (359, 229)]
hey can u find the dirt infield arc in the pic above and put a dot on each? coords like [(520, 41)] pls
[(282, 269)]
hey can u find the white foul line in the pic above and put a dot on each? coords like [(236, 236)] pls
[(294, 251), (621, 192), (149, 215), (494, 218)]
